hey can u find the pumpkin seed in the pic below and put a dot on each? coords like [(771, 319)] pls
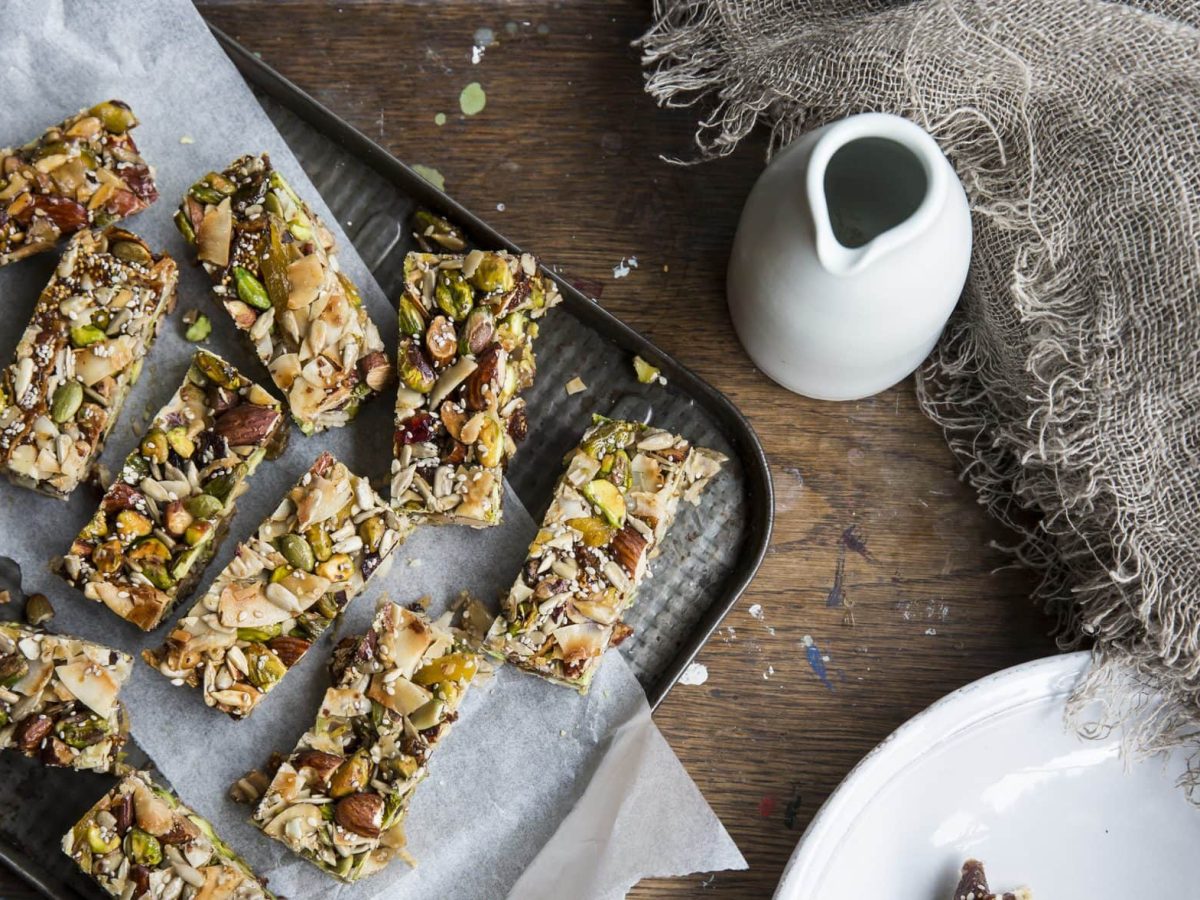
[(66, 401), (296, 551)]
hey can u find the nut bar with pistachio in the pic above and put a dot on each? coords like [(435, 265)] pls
[(610, 512), (165, 515), (285, 585), (84, 173), (466, 353), (58, 699), (139, 842), (79, 356), (275, 270), (340, 799)]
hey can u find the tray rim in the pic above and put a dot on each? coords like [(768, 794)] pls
[(760, 491), (759, 488)]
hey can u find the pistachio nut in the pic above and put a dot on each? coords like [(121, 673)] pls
[(493, 274), (142, 847), (453, 294)]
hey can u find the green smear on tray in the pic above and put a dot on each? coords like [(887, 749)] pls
[(472, 100), (432, 175), (439, 119)]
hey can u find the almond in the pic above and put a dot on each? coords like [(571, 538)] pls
[(289, 649), (30, 733), (626, 548), (361, 814), (181, 831), (246, 425), (323, 764), (376, 370), (123, 813), (483, 385), (55, 753)]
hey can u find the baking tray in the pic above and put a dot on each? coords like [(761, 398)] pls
[(706, 564)]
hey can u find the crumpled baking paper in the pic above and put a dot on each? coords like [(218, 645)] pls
[(536, 791)]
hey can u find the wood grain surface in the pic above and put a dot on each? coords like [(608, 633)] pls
[(882, 590)]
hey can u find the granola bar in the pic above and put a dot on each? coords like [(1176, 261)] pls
[(83, 173), (466, 353), (610, 512), (283, 588), (275, 270), (59, 699), (139, 842), (341, 797), (163, 518), (79, 356)]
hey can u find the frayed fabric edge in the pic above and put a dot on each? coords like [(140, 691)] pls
[(1133, 684)]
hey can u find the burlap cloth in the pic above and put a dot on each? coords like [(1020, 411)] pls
[(1067, 382)]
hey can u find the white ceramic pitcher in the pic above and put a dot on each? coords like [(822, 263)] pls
[(851, 253)]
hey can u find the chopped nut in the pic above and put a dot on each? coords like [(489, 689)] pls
[(575, 386), (646, 373), (38, 610)]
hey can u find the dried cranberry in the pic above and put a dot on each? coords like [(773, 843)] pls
[(139, 180), (518, 425), (140, 875), (416, 430), (211, 446)]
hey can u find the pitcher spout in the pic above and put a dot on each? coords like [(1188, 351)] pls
[(875, 182)]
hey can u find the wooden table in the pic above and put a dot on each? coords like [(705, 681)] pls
[(880, 557)]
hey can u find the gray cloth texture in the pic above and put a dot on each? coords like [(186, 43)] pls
[(1068, 380)]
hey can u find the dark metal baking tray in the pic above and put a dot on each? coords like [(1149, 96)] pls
[(714, 549)]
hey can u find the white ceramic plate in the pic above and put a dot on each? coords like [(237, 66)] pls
[(991, 772)]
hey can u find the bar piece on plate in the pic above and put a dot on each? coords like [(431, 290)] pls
[(58, 699), (275, 270), (283, 588), (466, 353), (341, 797), (79, 356), (164, 517), (83, 173), (974, 885), (139, 842), (610, 512)]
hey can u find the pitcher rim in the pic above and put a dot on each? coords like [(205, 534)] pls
[(834, 256)]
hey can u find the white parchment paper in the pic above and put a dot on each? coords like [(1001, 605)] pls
[(583, 795)]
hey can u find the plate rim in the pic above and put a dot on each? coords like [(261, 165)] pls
[(1034, 681)]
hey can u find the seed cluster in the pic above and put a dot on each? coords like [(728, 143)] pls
[(79, 357), (611, 510), (162, 519), (341, 797), (467, 324), (282, 590)]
